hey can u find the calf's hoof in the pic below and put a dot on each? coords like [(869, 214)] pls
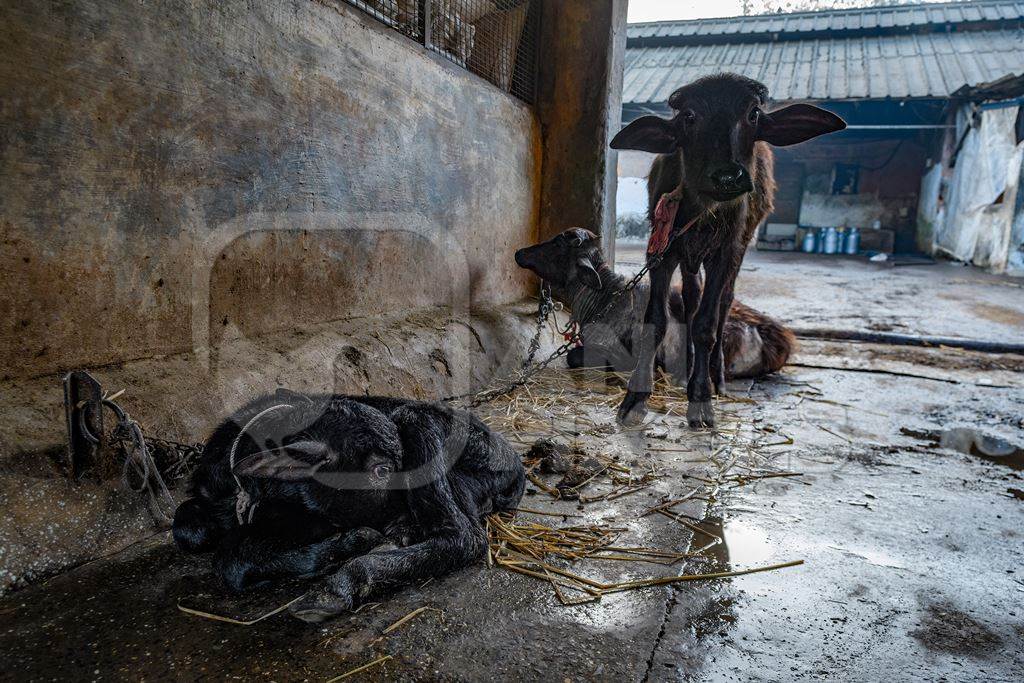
[(633, 409), (320, 605), (398, 534), (700, 415), (718, 380)]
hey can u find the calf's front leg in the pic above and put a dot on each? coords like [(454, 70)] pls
[(691, 300), (251, 556), (380, 571), (641, 381), (718, 352), (720, 269)]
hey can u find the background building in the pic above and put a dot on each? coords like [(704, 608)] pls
[(900, 76)]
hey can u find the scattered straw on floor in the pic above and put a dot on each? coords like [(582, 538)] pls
[(359, 669), (575, 404), (238, 622), (531, 549), (407, 618)]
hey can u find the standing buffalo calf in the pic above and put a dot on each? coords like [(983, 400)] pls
[(713, 184), (573, 263), (379, 491)]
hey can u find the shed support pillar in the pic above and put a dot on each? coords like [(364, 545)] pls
[(579, 104)]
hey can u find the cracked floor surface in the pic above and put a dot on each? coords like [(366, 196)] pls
[(912, 552)]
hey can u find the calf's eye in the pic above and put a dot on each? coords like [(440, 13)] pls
[(689, 116), (754, 114), (381, 471)]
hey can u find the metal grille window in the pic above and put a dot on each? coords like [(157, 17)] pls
[(495, 39)]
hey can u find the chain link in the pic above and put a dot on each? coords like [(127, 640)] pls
[(140, 472), (544, 308)]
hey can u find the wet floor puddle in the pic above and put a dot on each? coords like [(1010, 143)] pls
[(973, 442), (743, 545)]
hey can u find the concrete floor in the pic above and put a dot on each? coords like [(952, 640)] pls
[(912, 553)]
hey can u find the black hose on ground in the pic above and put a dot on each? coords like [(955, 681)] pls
[(909, 340)]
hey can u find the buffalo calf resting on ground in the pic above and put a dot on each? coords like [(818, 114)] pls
[(715, 172), (370, 492), (573, 264)]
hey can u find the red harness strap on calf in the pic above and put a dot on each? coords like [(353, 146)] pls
[(661, 226), (664, 218), (571, 331)]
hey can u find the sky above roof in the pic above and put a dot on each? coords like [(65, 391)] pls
[(660, 10), (667, 10)]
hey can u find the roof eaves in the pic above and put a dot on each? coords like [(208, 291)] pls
[(786, 35)]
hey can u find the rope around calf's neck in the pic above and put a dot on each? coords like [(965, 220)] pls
[(244, 507)]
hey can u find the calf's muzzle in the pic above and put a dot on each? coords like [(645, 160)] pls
[(728, 181)]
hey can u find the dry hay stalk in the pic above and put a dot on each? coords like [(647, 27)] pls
[(238, 622), (407, 618), (364, 667)]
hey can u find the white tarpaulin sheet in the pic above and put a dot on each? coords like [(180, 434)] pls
[(979, 207)]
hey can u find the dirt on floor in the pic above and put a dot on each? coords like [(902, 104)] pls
[(861, 512)]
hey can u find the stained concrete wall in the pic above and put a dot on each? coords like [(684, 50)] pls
[(174, 169), (203, 200)]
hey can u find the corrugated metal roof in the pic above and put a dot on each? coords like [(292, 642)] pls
[(841, 66), (893, 18)]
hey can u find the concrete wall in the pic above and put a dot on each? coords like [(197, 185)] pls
[(635, 164), (174, 171), (203, 200)]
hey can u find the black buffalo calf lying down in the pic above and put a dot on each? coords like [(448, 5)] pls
[(573, 263), (370, 492)]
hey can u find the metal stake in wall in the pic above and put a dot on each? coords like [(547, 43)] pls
[(147, 460), (428, 20), (83, 409)]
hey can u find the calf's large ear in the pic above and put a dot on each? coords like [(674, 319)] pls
[(647, 134), (797, 123), (294, 462)]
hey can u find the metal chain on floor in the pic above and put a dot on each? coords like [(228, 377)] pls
[(530, 368)]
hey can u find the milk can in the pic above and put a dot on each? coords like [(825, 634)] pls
[(852, 243), (831, 241), (810, 241)]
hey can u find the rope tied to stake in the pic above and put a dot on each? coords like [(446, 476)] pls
[(140, 460)]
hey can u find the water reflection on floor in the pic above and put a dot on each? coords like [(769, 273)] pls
[(742, 544), (974, 442)]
